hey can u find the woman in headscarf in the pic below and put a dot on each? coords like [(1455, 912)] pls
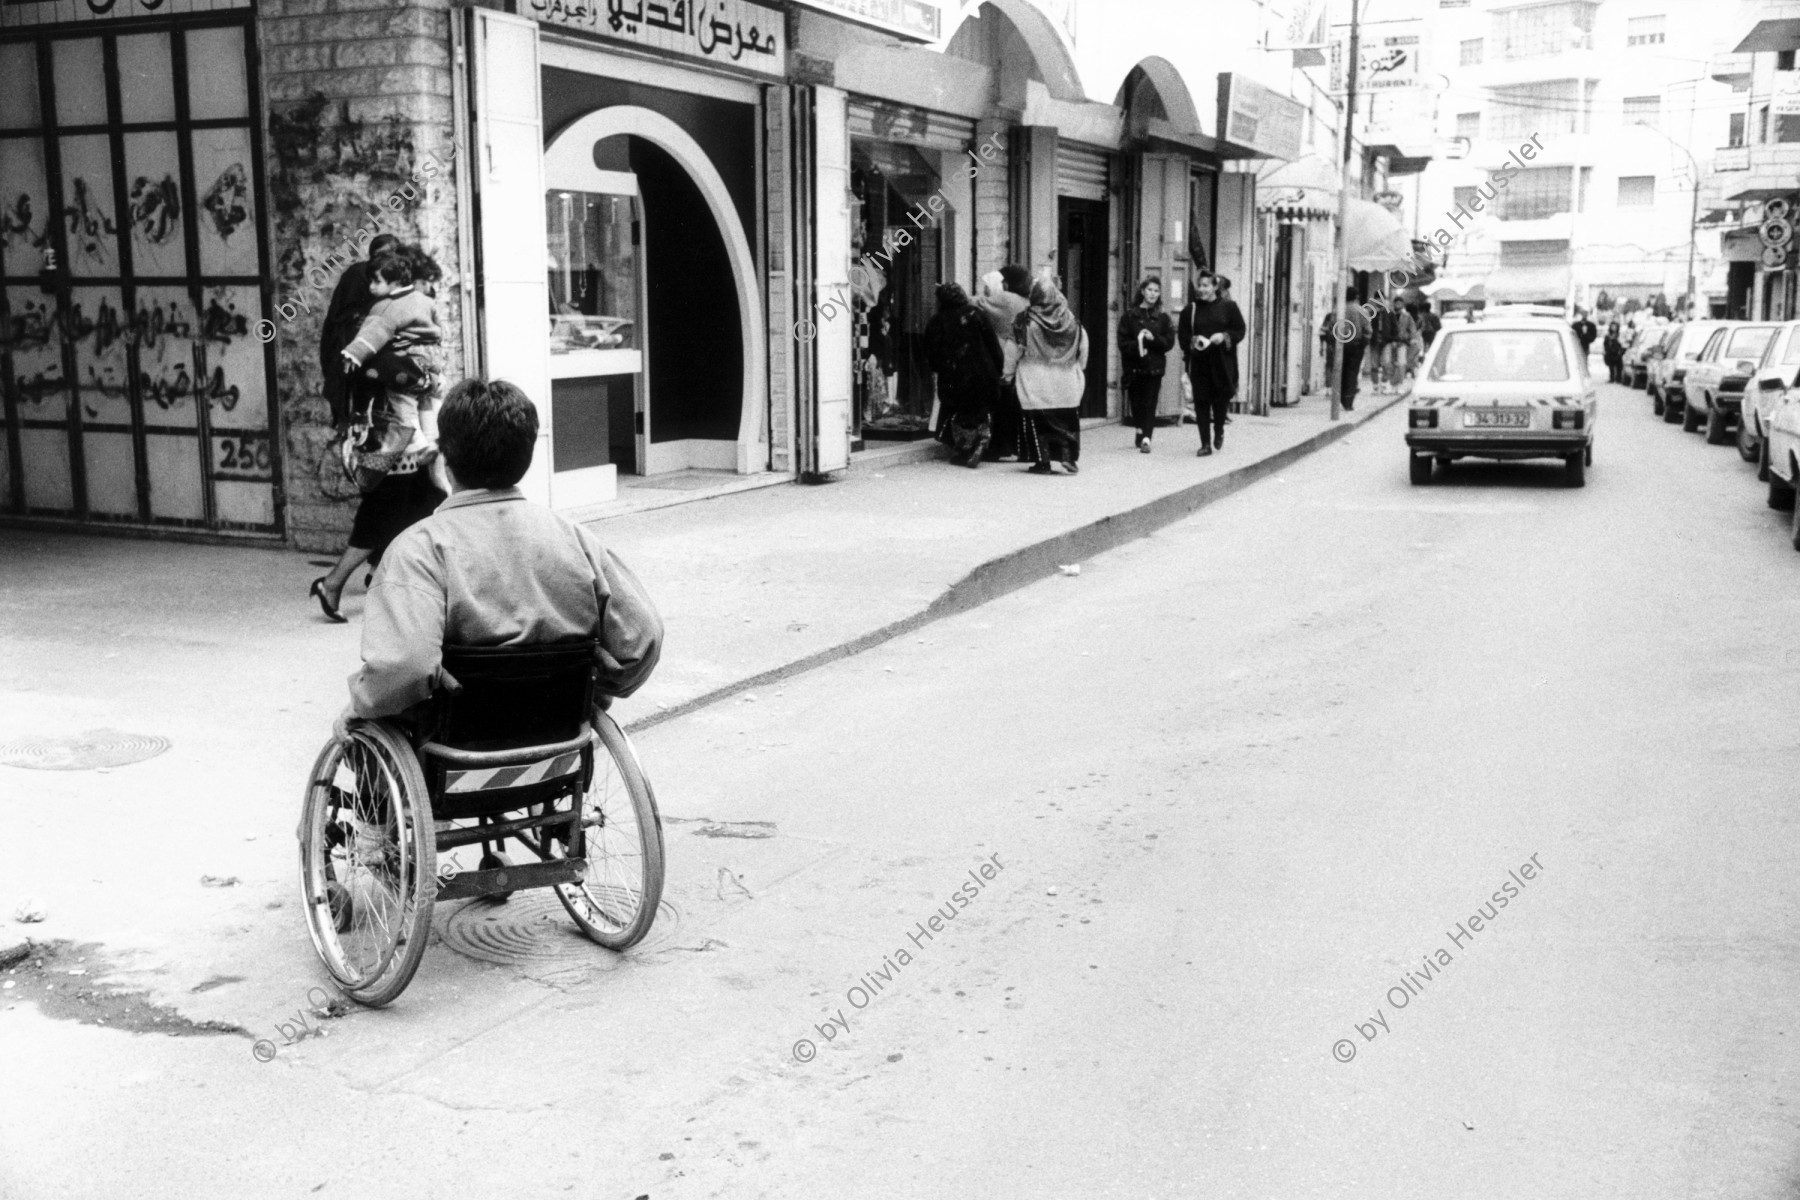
[(1211, 329), (1052, 375), (964, 351), (1002, 306), (1145, 335)]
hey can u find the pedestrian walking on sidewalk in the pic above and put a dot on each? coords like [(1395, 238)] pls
[(1211, 329), (1612, 351), (1353, 332), (1052, 376), (390, 447), (964, 351), (1146, 335), (1003, 298)]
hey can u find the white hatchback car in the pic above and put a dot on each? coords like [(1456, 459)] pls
[(1775, 374), (1508, 388)]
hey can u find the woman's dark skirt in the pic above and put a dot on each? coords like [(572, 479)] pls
[(399, 502), (1058, 433)]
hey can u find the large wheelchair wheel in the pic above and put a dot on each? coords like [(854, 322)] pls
[(368, 860), (622, 835)]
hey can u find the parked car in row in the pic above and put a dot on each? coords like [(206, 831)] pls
[(1506, 388), (1775, 375), (1713, 391), (1669, 362)]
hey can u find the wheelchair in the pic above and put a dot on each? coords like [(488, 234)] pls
[(513, 746)]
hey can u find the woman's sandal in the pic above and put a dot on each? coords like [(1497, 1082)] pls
[(317, 592)]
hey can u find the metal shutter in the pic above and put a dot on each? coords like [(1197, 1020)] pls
[(914, 126), (1080, 171)]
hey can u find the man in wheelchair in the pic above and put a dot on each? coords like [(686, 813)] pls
[(495, 633), (489, 568)]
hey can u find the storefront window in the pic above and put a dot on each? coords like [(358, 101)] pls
[(593, 272)]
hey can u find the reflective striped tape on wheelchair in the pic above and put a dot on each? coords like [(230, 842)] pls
[(508, 777)]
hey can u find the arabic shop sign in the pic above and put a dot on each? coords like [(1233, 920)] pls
[(916, 20), (726, 33), (1387, 55), (1256, 117), (16, 14)]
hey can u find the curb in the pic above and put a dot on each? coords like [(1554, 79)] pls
[(1030, 564)]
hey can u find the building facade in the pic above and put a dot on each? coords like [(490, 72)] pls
[(700, 245), (1611, 95)]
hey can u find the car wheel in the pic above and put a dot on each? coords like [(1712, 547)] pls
[(1691, 416), (1672, 407), (1576, 465), (1717, 431), (1781, 495), (1762, 460), (1656, 403), (1794, 529), (1746, 440), (1418, 468), (1587, 454)]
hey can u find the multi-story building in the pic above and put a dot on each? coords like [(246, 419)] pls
[(1620, 118), (1756, 169), (703, 237)]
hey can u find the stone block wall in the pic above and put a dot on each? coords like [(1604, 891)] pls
[(993, 219), (358, 101)]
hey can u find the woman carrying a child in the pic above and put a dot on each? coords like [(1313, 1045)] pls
[(390, 448)]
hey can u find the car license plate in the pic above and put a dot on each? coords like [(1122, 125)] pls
[(1500, 418)]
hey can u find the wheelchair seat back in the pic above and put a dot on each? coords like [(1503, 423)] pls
[(510, 727), (510, 697)]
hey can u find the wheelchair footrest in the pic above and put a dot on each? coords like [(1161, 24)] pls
[(467, 884)]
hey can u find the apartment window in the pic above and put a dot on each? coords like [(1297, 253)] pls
[(1787, 129), (1471, 53), (1534, 254), (1736, 135), (1584, 188), (1637, 191), (1468, 125), (1462, 197), (1585, 117), (1762, 124), (1544, 29), (1535, 193), (1644, 31), (1784, 60), (1643, 110), (1543, 108)]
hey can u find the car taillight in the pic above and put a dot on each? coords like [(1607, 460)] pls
[(1422, 418), (1568, 419)]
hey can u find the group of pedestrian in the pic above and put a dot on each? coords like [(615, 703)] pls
[(377, 358), (1394, 341), (1011, 369)]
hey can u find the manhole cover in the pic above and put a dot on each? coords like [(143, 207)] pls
[(533, 931), (82, 751)]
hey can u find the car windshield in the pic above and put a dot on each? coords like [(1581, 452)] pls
[(1502, 356), (1749, 343)]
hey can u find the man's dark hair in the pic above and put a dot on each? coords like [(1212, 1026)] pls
[(395, 267), (381, 244), (487, 432)]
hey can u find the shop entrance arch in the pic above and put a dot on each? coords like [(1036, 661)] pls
[(569, 166)]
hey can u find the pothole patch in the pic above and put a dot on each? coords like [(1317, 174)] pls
[(65, 981), (534, 933), (95, 749)]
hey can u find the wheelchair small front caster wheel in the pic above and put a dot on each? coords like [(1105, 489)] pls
[(496, 862)]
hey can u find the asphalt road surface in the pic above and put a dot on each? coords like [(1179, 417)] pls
[(1240, 786)]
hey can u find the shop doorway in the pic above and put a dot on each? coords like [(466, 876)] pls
[(1081, 260), (898, 264)]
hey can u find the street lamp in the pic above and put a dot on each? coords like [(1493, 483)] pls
[(1694, 213)]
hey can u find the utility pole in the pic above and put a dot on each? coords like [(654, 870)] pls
[(1693, 211), (1340, 255)]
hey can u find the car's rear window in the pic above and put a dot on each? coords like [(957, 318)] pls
[(1693, 339), (1749, 343), (1501, 355)]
